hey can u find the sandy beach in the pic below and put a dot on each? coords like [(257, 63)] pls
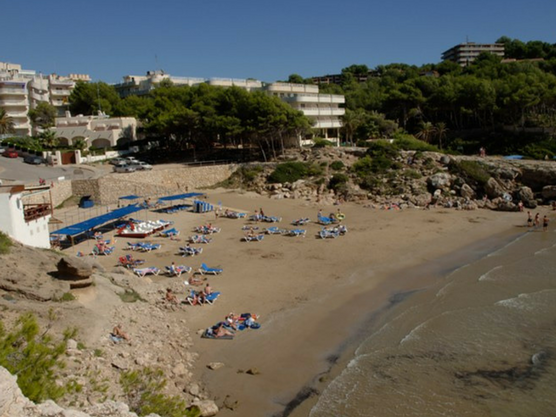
[(315, 297)]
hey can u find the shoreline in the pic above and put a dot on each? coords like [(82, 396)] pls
[(308, 396)]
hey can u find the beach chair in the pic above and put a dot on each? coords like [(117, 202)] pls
[(189, 251), (177, 270), (273, 230), (325, 220), (253, 238), (170, 232), (199, 239), (234, 215), (327, 234), (212, 297), (271, 219), (204, 269), (297, 232), (301, 222), (147, 247), (141, 272), (132, 262)]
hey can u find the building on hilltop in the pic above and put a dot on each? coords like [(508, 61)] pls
[(322, 109), (466, 53), (22, 90)]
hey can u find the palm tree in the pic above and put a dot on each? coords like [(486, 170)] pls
[(351, 120), (48, 139), (7, 124), (441, 130), (426, 132)]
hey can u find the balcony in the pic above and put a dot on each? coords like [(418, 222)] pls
[(320, 98), (327, 123), (14, 91), (316, 111), (292, 88), (35, 211), (60, 92), (14, 102)]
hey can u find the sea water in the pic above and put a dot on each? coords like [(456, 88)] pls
[(479, 342)]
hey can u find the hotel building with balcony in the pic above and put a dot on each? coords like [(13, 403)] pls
[(465, 53), (323, 110), (22, 90)]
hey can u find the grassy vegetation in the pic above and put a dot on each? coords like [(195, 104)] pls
[(293, 171), (5, 244), (144, 391), (471, 170), (130, 296)]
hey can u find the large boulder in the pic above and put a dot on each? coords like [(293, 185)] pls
[(73, 269), (494, 189), (467, 192), (549, 192), (439, 180), (526, 195)]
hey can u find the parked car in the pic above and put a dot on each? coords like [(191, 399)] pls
[(130, 159), (10, 154), (123, 168), (140, 165), (117, 161), (2, 150), (34, 160)]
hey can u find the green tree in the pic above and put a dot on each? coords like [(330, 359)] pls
[(48, 139), (426, 132), (7, 123), (43, 116), (34, 357), (351, 121), (91, 98)]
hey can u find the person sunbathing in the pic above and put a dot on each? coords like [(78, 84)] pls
[(171, 297), (119, 333), (207, 290), (221, 331), (231, 321)]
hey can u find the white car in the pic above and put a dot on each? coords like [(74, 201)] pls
[(124, 168), (140, 165), (117, 161)]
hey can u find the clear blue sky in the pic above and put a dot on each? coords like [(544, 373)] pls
[(266, 40)]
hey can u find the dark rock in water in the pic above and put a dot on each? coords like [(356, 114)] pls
[(73, 269), (538, 358)]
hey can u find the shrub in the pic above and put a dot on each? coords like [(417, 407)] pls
[(5, 243), (321, 143), (288, 172), (472, 170), (130, 296), (144, 392), (412, 174), (410, 143), (338, 181), (33, 356), (337, 165)]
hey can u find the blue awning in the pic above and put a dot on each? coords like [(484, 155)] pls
[(129, 197), (179, 196), (514, 157), (82, 227)]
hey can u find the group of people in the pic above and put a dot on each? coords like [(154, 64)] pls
[(536, 221), (199, 297)]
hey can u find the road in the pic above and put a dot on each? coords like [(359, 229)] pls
[(15, 170)]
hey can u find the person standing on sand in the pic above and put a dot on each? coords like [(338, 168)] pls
[(529, 219), (537, 220), (545, 223)]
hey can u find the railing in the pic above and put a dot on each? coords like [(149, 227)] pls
[(8, 90), (35, 211)]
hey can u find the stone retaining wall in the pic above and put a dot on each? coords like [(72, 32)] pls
[(59, 192), (155, 183)]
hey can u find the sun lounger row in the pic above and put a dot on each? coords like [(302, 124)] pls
[(129, 262), (207, 229), (199, 239), (174, 209), (332, 232), (141, 272), (253, 238), (200, 298), (268, 219), (233, 214)]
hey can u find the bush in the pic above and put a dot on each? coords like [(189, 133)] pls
[(33, 357), (337, 165), (321, 143), (289, 172), (5, 243), (143, 389), (338, 181), (410, 143), (471, 170)]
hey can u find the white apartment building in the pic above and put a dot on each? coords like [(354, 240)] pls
[(322, 109), (21, 90), (466, 53), (99, 131)]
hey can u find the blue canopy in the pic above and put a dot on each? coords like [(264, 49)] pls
[(129, 197), (82, 227), (179, 196), (514, 157)]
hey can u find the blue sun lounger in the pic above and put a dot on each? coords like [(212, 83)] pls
[(204, 269)]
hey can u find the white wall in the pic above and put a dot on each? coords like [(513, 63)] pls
[(12, 222)]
